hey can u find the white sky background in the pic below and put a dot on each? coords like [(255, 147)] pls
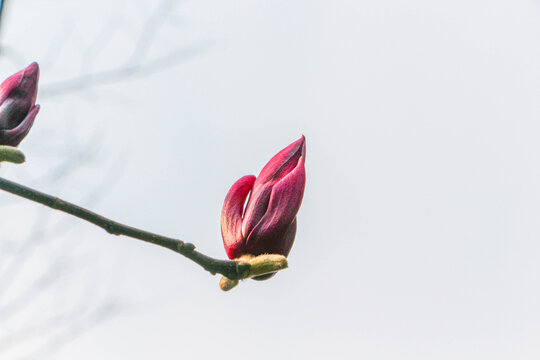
[(419, 235)]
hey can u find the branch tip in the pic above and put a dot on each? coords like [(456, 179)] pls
[(227, 284)]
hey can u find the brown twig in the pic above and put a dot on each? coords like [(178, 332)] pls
[(231, 269)]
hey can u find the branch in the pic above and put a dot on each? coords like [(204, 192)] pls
[(120, 73), (233, 270)]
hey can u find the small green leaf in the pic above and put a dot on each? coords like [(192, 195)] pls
[(267, 263), (227, 284), (11, 154), (258, 265)]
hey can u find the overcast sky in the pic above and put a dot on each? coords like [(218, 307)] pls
[(419, 234)]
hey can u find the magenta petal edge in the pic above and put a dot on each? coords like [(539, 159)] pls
[(266, 224)]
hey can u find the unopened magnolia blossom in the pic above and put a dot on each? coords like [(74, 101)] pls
[(268, 223), (18, 107)]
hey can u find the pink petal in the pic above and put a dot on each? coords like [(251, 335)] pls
[(24, 81), (13, 137), (287, 243), (282, 163), (256, 207), (277, 168), (9, 84), (231, 216), (268, 235), (17, 96)]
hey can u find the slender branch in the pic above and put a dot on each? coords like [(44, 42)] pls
[(231, 269), (120, 73)]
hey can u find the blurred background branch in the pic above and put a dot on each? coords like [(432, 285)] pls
[(121, 73), (42, 306)]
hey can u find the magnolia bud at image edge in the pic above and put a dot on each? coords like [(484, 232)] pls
[(18, 107)]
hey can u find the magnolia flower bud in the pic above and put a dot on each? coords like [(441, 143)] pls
[(18, 107), (268, 223)]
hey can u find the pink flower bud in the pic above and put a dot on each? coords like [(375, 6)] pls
[(268, 223), (18, 107)]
